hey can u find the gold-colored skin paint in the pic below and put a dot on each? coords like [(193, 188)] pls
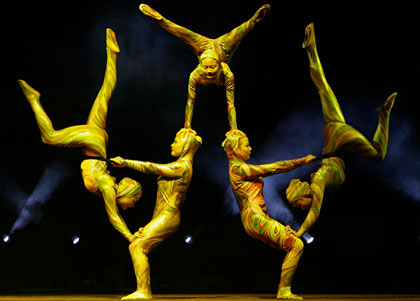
[(93, 139), (213, 55), (247, 185), (173, 182), (339, 137)]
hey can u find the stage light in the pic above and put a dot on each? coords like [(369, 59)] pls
[(309, 240), (188, 239), (75, 240), (6, 238)]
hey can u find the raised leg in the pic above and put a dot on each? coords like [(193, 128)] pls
[(230, 41), (98, 113), (92, 138), (197, 42), (44, 122), (380, 139), (330, 107), (343, 137)]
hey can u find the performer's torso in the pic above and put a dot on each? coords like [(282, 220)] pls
[(249, 193), (171, 193)]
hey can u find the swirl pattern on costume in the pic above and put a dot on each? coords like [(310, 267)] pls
[(91, 136), (340, 138), (224, 45), (222, 50), (173, 182), (247, 185)]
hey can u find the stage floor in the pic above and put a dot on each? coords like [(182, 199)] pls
[(198, 297)]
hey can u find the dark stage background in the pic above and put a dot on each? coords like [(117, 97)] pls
[(367, 239)]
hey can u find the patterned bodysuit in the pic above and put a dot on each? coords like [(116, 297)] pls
[(247, 184), (340, 138), (224, 46), (173, 182), (91, 137)]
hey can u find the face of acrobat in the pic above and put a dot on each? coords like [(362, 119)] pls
[(178, 146), (210, 67), (244, 149)]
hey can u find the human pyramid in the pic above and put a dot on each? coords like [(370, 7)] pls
[(246, 180)]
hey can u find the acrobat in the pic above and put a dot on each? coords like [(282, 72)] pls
[(173, 182), (247, 185), (213, 55), (93, 138), (339, 138)]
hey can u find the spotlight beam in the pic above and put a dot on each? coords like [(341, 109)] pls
[(52, 177)]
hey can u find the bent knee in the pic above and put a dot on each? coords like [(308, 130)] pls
[(90, 184), (298, 245), (143, 246)]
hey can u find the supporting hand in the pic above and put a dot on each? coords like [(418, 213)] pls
[(118, 162), (310, 159), (290, 231)]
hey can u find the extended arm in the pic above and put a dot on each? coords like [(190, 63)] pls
[(317, 192), (171, 170), (192, 84), (253, 171), (109, 196), (230, 96)]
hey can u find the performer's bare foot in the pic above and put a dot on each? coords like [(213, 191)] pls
[(111, 41), (285, 294), (137, 295), (388, 104), (31, 94), (148, 11), (309, 36), (261, 13)]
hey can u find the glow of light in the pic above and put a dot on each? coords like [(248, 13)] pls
[(6, 238), (309, 240), (188, 239), (75, 240)]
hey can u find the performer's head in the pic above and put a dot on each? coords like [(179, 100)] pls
[(210, 63), (236, 145), (299, 195), (186, 142), (129, 192)]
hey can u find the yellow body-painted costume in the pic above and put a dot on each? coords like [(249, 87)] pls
[(173, 182), (247, 185), (219, 50), (93, 138), (339, 138)]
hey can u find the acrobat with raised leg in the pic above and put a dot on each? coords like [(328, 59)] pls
[(214, 56), (247, 185), (172, 185), (93, 138), (339, 138)]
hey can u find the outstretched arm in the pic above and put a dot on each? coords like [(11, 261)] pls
[(230, 95), (109, 196), (171, 170), (253, 171), (317, 191), (192, 84)]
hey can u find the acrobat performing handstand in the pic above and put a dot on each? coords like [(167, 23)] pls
[(213, 55), (339, 138), (93, 138)]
